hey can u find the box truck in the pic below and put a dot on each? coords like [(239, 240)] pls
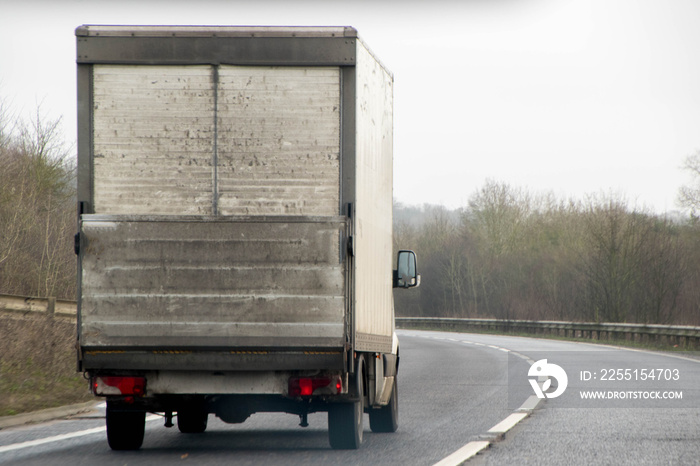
[(234, 242)]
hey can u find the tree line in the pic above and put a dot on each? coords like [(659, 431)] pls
[(510, 254), (37, 208)]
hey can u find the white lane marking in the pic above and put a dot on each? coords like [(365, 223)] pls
[(58, 438), (463, 454), (522, 356), (508, 423), (530, 404), (472, 449)]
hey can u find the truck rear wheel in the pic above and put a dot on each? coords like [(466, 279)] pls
[(192, 421), (386, 418), (345, 424), (125, 429)]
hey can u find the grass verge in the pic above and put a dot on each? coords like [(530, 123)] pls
[(37, 365)]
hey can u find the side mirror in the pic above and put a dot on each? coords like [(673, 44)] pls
[(405, 275)]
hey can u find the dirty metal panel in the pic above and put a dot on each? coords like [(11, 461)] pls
[(214, 360), (373, 220), (153, 139), (279, 140), (183, 48), (212, 283)]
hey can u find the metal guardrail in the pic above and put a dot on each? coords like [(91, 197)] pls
[(682, 336), (671, 335)]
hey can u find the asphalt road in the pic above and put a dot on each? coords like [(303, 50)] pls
[(453, 389)]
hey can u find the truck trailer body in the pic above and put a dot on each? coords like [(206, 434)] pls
[(235, 227)]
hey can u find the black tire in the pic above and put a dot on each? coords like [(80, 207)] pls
[(345, 420), (386, 418), (345, 425), (125, 429), (192, 421)]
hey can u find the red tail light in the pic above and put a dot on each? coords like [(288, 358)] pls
[(119, 386), (307, 386)]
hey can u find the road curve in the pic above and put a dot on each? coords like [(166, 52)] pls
[(453, 389)]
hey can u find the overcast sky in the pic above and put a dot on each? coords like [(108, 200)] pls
[(568, 96)]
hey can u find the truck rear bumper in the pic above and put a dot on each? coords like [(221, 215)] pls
[(242, 383)]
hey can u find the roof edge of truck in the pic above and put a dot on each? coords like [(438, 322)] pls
[(214, 31)]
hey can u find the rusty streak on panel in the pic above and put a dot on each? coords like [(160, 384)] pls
[(279, 140), (153, 133)]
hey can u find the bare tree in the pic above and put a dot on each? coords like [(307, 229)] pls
[(498, 214), (663, 272), (37, 209), (689, 196)]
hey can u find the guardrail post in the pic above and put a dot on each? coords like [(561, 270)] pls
[(51, 307)]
